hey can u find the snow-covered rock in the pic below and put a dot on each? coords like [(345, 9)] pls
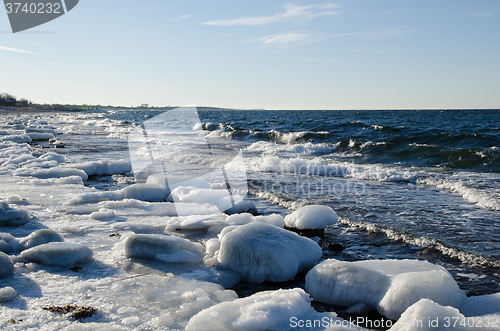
[(40, 237), (426, 315), (165, 248), (8, 243), (145, 192), (101, 168), (244, 206), (273, 219), (6, 265), (12, 217), (102, 214), (260, 252), (55, 172), (382, 285), (311, 217), (60, 254), (35, 136), (7, 294), (267, 310)]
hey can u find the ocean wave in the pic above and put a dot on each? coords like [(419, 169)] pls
[(462, 183), (424, 242)]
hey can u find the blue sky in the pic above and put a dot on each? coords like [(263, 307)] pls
[(357, 54)]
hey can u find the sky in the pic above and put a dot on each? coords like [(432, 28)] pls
[(356, 54)]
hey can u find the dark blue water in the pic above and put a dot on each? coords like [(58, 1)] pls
[(406, 184)]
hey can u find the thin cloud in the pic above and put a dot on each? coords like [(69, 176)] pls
[(10, 49), (180, 18), (290, 39), (292, 12)]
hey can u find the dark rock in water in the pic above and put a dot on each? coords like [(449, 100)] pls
[(309, 233), (336, 247), (59, 145), (76, 268)]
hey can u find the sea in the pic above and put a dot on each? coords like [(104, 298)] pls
[(406, 184)]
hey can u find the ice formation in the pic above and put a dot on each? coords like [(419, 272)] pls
[(60, 254), (105, 167), (311, 217), (390, 286), (8, 243), (426, 315), (12, 217), (145, 192), (103, 213), (6, 265), (260, 252), (162, 247), (40, 237), (267, 310), (7, 294)]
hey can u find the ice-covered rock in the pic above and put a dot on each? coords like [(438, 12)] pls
[(101, 168), (244, 206), (267, 310), (60, 254), (426, 315), (240, 219), (40, 237), (8, 243), (176, 181), (145, 192), (55, 172), (7, 294), (311, 217), (390, 286), (273, 219), (102, 214), (260, 252), (35, 136), (165, 248), (6, 265), (12, 217), (21, 138)]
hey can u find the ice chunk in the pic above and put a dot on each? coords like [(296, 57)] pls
[(145, 192), (8, 243), (212, 246), (55, 172), (346, 284), (12, 217), (6, 265), (101, 168), (60, 254), (311, 217), (410, 287), (162, 247), (273, 219), (40, 136), (244, 206), (426, 315), (94, 196), (7, 294), (40, 237), (267, 310), (23, 138), (240, 219), (103, 213), (382, 285), (260, 252)]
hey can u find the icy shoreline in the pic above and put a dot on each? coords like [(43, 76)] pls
[(127, 253)]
